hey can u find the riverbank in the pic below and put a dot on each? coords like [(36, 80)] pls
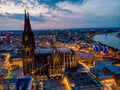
[(113, 49), (101, 41)]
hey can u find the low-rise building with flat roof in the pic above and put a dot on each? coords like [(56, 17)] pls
[(83, 81), (85, 57), (23, 83), (105, 70)]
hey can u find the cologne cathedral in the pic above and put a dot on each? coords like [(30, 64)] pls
[(44, 61)]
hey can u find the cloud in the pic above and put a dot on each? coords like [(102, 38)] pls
[(54, 2), (61, 13), (10, 23), (34, 6)]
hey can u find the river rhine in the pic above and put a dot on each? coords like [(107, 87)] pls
[(109, 39)]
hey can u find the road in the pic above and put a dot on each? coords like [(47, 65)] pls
[(85, 66), (6, 62)]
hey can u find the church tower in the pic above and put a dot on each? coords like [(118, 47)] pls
[(28, 46)]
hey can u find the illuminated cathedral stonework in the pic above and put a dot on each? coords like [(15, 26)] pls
[(28, 46), (44, 61)]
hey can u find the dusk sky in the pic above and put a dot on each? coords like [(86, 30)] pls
[(48, 14)]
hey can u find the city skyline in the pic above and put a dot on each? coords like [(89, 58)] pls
[(68, 59), (49, 14)]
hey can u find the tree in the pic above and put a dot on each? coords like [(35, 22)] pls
[(9, 75)]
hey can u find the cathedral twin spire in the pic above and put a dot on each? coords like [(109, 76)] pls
[(28, 46), (27, 26)]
